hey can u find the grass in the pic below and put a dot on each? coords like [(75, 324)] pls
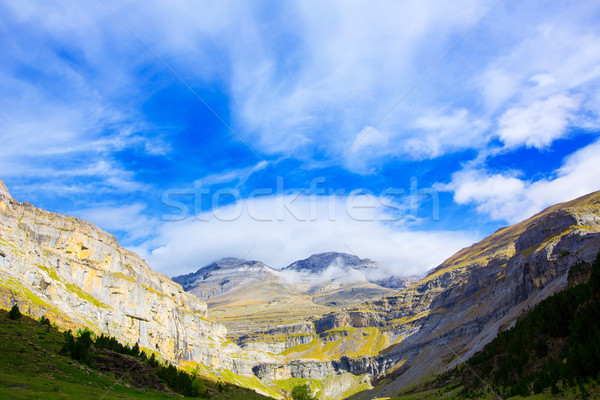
[(351, 342), (31, 367), (11, 283)]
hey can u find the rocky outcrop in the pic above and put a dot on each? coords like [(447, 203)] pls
[(355, 319), (313, 369), (279, 338)]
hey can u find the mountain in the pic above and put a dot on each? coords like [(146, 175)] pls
[(556, 346), (318, 263), (483, 289), (78, 275), (340, 266), (250, 298), (224, 276), (70, 271)]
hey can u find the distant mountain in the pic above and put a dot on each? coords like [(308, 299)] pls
[(317, 263), (224, 276), (353, 268), (249, 295)]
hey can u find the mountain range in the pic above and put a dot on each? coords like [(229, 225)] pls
[(328, 320), (250, 298)]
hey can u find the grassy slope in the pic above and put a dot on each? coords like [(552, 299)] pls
[(350, 342), (32, 368)]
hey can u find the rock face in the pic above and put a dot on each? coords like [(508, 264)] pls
[(79, 276)]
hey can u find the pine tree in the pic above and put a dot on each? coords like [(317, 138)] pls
[(14, 313)]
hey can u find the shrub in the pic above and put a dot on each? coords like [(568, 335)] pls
[(302, 392)]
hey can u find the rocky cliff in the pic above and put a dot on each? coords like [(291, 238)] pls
[(462, 304), (79, 276)]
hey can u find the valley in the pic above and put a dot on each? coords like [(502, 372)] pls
[(327, 321)]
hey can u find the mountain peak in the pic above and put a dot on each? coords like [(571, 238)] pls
[(225, 275), (322, 261), (3, 190)]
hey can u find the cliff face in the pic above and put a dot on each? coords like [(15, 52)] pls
[(78, 275), (462, 304)]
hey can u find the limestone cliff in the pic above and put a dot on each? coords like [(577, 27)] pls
[(79, 276)]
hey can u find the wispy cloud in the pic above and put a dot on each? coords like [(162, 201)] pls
[(507, 196), (538, 124), (236, 176)]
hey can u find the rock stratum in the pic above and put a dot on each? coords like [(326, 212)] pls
[(79, 276)]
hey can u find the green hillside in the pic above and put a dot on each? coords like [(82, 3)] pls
[(32, 367)]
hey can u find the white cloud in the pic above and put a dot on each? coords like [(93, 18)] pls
[(314, 225), (129, 218), (507, 197), (429, 136), (303, 78), (336, 271), (239, 176), (539, 123), (544, 85), (64, 112)]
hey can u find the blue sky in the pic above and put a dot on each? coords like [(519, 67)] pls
[(491, 108)]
